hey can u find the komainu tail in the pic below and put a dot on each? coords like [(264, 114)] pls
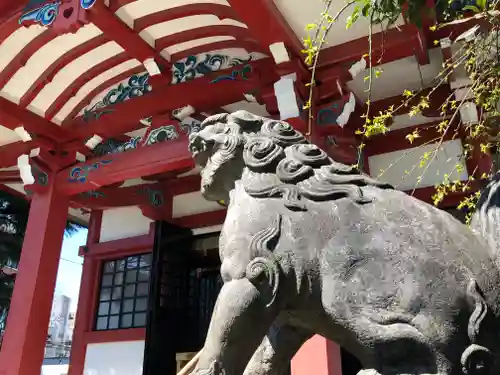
[(486, 220)]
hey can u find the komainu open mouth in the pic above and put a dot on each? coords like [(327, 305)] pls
[(200, 149)]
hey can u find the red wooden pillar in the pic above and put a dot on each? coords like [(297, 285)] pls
[(28, 321), (317, 356), (84, 310)]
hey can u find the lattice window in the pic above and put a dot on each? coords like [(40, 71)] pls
[(124, 291)]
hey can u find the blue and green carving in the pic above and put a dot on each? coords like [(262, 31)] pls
[(87, 4), (112, 146), (329, 115), (137, 85), (93, 194), (44, 14), (236, 74), (81, 173), (196, 66), (155, 197), (161, 134)]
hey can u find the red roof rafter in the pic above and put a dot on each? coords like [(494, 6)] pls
[(201, 32), (200, 93), (59, 64), (114, 5), (10, 177), (9, 24), (437, 97), (12, 116), (22, 57), (158, 158), (117, 196), (266, 23), (221, 11), (10, 152), (73, 88), (116, 30), (391, 45), (103, 86), (395, 140)]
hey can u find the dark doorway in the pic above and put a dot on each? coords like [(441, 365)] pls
[(185, 283), (350, 364)]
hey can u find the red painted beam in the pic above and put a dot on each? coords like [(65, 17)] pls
[(454, 30), (203, 220), (73, 88), (158, 158), (9, 12), (12, 116), (13, 192), (200, 93), (116, 30), (114, 5), (219, 10), (451, 200), (116, 197), (47, 76), (436, 100), (9, 153), (266, 23), (183, 185), (391, 45), (237, 32), (10, 177), (395, 140)]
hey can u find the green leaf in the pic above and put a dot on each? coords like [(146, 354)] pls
[(471, 8), (481, 4), (311, 26), (353, 17), (366, 10)]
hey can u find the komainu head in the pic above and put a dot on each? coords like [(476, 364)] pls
[(272, 158)]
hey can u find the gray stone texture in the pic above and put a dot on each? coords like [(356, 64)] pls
[(310, 246)]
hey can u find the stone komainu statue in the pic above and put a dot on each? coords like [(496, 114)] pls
[(310, 246)]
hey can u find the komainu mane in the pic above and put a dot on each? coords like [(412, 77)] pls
[(311, 246)]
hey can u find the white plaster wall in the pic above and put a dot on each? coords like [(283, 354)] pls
[(406, 121), (397, 76), (191, 204), (55, 370), (114, 358), (444, 163), (123, 222)]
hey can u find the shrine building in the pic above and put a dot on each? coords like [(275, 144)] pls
[(97, 99)]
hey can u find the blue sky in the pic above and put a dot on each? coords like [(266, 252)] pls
[(70, 267)]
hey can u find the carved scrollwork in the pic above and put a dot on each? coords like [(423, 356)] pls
[(282, 132), (477, 360), (276, 162), (289, 193), (264, 263), (227, 146), (318, 189), (292, 171), (261, 154), (338, 176), (308, 154)]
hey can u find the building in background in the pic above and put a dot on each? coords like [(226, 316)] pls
[(58, 339)]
